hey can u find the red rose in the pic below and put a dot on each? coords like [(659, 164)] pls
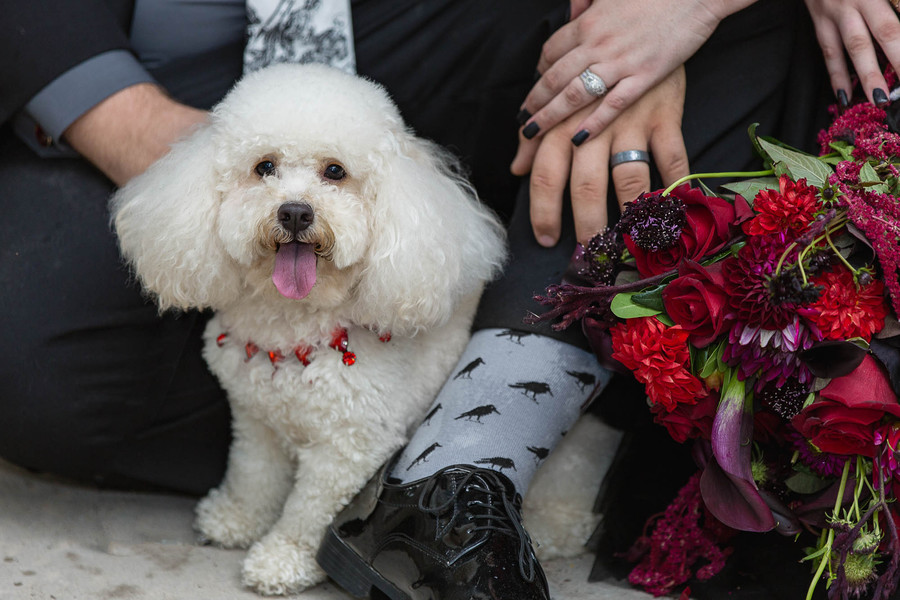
[(706, 231), (688, 421), (844, 417), (697, 300)]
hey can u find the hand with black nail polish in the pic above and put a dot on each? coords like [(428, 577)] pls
[(842, 98), (567, 156), (860, 29)]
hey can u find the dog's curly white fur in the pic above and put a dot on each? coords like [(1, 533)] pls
[(402, 245)]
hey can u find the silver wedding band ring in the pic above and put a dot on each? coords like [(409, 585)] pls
[(629, 156), (593, 84)]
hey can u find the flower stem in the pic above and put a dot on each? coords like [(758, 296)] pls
[(840, 496), (730, 174), (826, 556), (860, 477), (837, 252), (569, 298), (829, 229)]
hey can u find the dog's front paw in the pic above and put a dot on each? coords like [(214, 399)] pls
[(228, 523), (275, 566)]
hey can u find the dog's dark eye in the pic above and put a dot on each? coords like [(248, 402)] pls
[(334, 172), (266, 167)]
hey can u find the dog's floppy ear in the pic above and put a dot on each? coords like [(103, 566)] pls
[(166, 218), (433, 241)]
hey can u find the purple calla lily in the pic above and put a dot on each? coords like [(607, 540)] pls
[(727, 485)]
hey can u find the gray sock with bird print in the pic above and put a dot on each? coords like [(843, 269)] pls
[(511, 398)]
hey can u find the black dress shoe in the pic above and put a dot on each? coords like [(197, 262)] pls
[(456, 535)]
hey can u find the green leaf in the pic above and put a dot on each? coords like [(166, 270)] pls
[(623, 307), (712, 361), (665, 320), (782, 170), (749, 188), (782, 145), (869, 177), (798, 164), (805, 483), (650, 298), (756, 147), (843, 148), (705, 189)]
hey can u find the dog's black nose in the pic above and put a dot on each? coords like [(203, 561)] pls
[(295, 216)]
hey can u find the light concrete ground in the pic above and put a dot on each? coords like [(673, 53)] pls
[(66, 542)]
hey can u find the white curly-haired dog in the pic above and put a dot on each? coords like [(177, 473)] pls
[(343, 258)]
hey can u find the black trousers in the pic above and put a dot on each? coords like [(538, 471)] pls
[(95, 385)]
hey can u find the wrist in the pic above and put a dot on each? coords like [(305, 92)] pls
[(130, 130)]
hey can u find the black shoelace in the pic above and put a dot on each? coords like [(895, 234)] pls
[(498, 512)]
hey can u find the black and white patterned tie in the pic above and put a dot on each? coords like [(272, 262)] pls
[(299, 31)]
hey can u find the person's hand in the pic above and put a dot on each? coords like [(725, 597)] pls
[(127, 132), (653, 123), (857, 26), (631, 45)]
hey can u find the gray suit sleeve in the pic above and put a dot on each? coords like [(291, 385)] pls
[(50, 112)]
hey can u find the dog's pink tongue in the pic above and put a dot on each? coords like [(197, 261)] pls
[(295, 270)]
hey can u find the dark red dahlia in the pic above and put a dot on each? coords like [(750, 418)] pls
[(747, 281), (773, 357), (824, 464)]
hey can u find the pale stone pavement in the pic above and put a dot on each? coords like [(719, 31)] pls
[(60, 541)]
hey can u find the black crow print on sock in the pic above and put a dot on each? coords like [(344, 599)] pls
[(478, 412), (532, 387), (431, 413), (422, 457), (583, 379), (466, 372), (514, 335), (539, 453), (497, 463)]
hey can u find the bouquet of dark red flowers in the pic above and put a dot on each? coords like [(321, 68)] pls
[(758, 321)]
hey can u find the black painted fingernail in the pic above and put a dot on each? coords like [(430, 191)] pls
[(879, 96), (579, 137), (531, 130), (523, 116), (842, 98)]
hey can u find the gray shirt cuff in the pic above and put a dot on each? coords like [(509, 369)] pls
[(49, 113)]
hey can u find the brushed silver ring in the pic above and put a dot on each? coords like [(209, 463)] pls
[(629, 156)]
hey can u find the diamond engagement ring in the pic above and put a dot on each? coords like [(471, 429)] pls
[(593, 85), (629, 156)]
